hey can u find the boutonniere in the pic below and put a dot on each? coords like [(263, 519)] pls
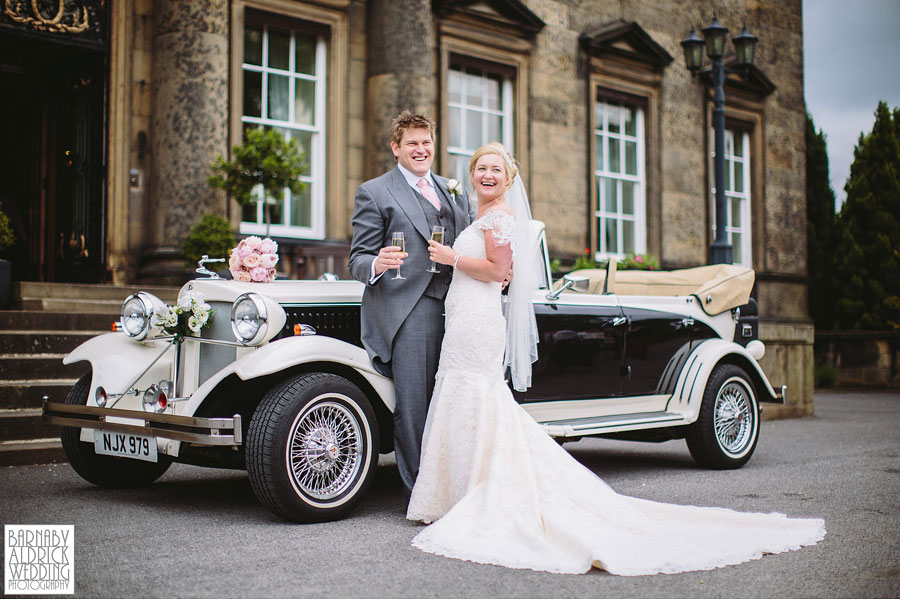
[(454, 187)]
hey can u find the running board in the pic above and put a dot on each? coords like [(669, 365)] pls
[(597, 425)]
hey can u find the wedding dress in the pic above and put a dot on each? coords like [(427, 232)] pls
[(496, 489)]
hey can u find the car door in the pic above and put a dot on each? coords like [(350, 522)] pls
[(654, 340), (580, 351)]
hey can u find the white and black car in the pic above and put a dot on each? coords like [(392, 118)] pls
[(278, 383)]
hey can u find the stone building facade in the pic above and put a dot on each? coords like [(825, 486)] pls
[(612, 130)]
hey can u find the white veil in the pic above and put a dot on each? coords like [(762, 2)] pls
[(521, 328)]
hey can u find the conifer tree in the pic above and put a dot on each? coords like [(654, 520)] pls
[(820, 226), (867, 256)]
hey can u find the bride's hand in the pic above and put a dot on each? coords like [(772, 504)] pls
[(442, 254)]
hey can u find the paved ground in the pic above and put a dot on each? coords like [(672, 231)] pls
[(200, 532)]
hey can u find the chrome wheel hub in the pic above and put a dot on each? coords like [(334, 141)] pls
[(325, 452), (734, 418)]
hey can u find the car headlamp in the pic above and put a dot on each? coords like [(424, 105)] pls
[(137, 314), (249, 319)]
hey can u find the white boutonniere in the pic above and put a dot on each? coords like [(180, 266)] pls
[(454, 187)]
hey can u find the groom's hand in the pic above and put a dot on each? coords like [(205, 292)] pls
[(388, 258)]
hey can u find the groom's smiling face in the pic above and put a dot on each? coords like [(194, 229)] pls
[(415, 151)]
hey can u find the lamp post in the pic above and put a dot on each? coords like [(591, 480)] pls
[(715, 36)]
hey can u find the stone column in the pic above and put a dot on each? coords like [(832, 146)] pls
[(189, 125), (402, 72)]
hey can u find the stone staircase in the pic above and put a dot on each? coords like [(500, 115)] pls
[(49, 320)]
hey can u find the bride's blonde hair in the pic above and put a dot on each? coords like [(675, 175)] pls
[(496, 148)]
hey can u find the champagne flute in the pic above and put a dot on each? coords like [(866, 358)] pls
[(437, 235), (398, 240)]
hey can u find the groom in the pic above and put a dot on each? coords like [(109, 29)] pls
[(402, 320)]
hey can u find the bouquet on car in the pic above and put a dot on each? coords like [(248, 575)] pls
[(254, 260), (185, 318)]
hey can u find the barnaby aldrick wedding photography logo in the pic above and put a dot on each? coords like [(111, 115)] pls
[(38, 560)]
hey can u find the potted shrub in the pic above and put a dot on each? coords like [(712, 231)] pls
[(211, 236), (7, 240), (265, 159)]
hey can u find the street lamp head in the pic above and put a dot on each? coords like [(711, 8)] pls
[(745, 47), (715, 34), (693, 50)]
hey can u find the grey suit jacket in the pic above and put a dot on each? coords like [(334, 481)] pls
[(384, 205)]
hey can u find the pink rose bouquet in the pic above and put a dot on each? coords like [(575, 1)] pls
[(254, 260)]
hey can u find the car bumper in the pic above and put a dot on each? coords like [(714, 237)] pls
[(195, 430)]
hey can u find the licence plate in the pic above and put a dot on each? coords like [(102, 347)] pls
[(125, 445)]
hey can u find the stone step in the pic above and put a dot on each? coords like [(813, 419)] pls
[(40, 451), (25, 424), (29, 393), (37, 366), (43, 342), (116, 293), (23, 320), (64, 304), (81, 298)]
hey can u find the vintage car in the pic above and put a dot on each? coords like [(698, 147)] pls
[(279, 384)]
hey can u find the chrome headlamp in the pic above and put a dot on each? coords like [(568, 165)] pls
[(137, 314), (249, 319)]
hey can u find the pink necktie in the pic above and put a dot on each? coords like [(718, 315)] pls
[(428, 192)]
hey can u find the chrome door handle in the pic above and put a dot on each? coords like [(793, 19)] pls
[(618, 321), (687, 322)]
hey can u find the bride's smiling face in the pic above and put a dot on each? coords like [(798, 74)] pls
[(489, 177)]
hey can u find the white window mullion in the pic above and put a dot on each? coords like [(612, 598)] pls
[(640, 197), (319, 143)]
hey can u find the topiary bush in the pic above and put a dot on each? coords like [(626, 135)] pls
[(7, 236), (211, 236)]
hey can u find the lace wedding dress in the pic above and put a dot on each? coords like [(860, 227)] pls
[(496, 489)]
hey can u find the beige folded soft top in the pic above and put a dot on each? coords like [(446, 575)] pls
[(718, 287)]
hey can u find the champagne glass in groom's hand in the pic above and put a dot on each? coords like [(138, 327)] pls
[(398, 240), (437, 235)]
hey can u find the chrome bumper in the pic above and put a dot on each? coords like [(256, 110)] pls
[(196, 430)]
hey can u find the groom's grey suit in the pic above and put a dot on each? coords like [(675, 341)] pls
[(402, 320)]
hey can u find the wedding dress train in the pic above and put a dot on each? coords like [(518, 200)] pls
[(497, 489)]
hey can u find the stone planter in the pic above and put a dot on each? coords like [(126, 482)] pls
[(5, 283)]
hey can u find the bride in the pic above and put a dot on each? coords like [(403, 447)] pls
[(492, 485)]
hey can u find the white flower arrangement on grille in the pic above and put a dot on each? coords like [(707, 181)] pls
[(185, 318)]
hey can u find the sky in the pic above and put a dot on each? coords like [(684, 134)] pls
[(851, 55)]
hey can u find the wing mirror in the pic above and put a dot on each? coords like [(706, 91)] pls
[(579, 284)]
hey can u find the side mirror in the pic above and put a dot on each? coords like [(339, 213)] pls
[(579, 284)]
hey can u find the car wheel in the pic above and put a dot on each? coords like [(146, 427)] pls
[(727, 429), (312, 447), (101, 470)]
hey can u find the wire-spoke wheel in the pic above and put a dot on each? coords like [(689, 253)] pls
[(326, 449), (727, 428), (312, 447)]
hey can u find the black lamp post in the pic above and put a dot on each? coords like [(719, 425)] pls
[(715, 36)]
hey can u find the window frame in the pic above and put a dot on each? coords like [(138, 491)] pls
[(641, 88), (316, 153), (506, 111), (745, 197), (639, 179), (512, 61), (331, 24)]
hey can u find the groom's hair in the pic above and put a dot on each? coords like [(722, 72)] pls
[(406, 121)]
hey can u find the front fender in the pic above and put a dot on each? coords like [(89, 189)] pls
[(699, 366), (293, 351), (117, 361)]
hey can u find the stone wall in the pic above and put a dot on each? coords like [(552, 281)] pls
[(391, 59), (788, 361), (860, 358)]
